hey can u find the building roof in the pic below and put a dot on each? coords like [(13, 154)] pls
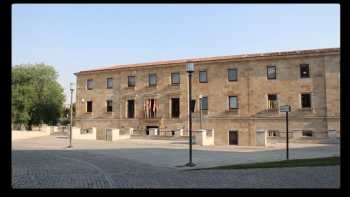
[(217, 58)]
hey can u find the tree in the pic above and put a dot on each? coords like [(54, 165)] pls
[(37, 97), (65, 119)]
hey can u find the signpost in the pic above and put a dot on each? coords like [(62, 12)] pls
[(286, 108)]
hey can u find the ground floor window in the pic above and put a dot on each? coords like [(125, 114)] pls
[(272, 102), (150, 108), (307, 133), (306, 100), (273, 133), (131, 108), (175, 107), (109, 105), (89, 106)]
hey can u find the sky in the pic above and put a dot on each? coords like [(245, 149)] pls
[(75, 37)]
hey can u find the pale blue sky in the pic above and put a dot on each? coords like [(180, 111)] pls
[(74, 37)]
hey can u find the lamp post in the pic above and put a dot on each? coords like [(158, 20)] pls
[(190, 70), (200, 111), (71, 114)]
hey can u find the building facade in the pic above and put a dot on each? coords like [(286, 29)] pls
[(241, 95)]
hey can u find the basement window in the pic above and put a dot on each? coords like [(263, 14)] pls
[(273, 133), (307, 133)]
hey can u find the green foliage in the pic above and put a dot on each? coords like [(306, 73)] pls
[(37, 97)]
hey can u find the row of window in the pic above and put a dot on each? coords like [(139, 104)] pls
[(203, 78), (276, 133), (150, 106)]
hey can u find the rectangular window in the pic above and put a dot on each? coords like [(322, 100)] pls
[(109, 105), (272, 102), (271, 72), (131, 108), (232, 74), (175, 78), (175, 107), (307, 133), (89, 84), (203, 76), (152, 79), (89, 106), (131, 81), (109, 83), (273, 133), (306, 100), (204, 103), (304, 71), (150, 108), (233, 104)]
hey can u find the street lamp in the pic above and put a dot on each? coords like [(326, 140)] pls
[(190, 70), (71, 114), (200, 110)]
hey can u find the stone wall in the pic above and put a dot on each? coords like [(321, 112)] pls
[(251, 88)]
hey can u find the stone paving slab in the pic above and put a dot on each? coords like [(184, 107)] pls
[(45, 162)]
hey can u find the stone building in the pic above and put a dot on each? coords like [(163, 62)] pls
[(241, 95)]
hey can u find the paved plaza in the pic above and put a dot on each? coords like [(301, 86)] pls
[(45, 162)]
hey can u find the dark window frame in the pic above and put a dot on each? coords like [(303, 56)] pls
[(89, 86), (302, 100), (107, 80), (228, 74), (304, 66), (172, 78), (267, 72), (89, 107), (175, 113), (229, 102), (129, 81), (307, 133), (130, 113), (109, 107), (201, 105), (268, 106), (206, 76), (149, 79)]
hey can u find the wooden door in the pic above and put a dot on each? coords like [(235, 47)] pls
[(233, 137)]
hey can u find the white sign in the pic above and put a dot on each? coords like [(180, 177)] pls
[(285, 108)]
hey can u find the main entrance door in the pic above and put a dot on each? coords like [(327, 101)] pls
[(233, 137), (149, 127)]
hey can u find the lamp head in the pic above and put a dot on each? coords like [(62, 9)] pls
[(71, 86), (190, 67)]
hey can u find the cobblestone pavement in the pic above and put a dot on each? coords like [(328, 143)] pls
[(36, 164)]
